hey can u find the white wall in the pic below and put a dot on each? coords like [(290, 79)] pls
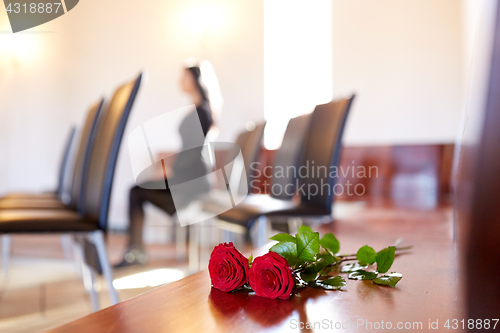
[(35, 111), (404, 61)]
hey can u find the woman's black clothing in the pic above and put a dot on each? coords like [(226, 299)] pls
[(188, 165)]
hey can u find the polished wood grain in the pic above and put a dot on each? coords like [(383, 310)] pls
[(428, 290)]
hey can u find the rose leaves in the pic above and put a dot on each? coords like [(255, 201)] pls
[(367, 256), (313, 258), (298, 261)]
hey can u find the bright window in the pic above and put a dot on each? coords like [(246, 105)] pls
[(297, 61)]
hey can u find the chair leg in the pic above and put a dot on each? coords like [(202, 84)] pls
[(98, 239), (262, 227), (226, 236), (180, 242), (194, 255), (6, 240), (94, 300), (205, 243), (77, 255), (87, 274), (66, 246), (294, 224)]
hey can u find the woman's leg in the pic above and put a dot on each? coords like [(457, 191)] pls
[(138, 196), (136, 216)]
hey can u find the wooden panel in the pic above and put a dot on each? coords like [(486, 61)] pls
[(375, 168)]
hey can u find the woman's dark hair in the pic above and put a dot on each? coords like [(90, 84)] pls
[(207, 84), (196, 72)]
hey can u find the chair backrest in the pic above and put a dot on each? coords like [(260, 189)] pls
[(252, 147), (322, 152), (235, 167), (64, 166), (250, 144), (289, 157), (99, 179), (82, 159)]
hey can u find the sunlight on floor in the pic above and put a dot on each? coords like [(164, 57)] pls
[(152, 278)]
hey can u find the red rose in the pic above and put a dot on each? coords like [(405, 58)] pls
[(270, 276), (228, 268)]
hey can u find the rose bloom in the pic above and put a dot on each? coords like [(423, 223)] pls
[(228, 268), (270, 276)]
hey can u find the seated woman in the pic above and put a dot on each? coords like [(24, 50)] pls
[(200, 83)]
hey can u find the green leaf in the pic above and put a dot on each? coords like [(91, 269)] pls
[(389, 279), (284, 238), (331, 243), (385, 258), (366, 255), (311, 271), (332, 283), (287, 250), (327, 271), (308, 276), (300, 262), (362, 275), (352, 268), (326, 258), (250, 259), (305, 228), (307, 245)]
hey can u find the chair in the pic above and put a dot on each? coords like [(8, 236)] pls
[(290, 154), (55, 200), (89, 223), (250, 143), (34, 201), (58, 193), (63, 170), (323, 146)]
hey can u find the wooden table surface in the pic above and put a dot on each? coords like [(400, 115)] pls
[(428, 292)]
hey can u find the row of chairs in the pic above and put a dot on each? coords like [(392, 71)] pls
[(85, 216), (315, 137)]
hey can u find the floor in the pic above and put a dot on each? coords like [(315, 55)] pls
[(43, 289)]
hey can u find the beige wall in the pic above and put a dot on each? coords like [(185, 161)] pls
[(404, 60), (35, 109)]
